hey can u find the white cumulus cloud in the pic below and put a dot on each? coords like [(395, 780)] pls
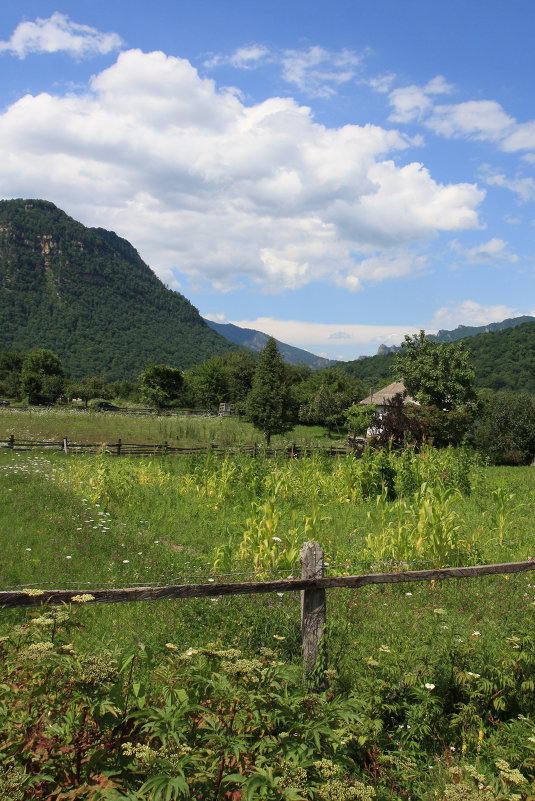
[(314, 335), (494, 250), (470, 312), (59, 34), (226, 192), (317, 71), (414, 102), (479, 119), (523, 187)]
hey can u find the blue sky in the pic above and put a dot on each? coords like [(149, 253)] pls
[(336, 174)]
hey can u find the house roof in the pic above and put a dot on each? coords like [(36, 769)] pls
[(385, 395)]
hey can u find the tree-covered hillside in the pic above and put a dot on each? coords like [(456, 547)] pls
[(502, 360), (86, 294)]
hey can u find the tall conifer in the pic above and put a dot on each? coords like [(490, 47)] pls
[(269, 403)]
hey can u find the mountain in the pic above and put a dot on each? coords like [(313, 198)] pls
[(256, 340), (86, 294), (464, 331), (503, 359)]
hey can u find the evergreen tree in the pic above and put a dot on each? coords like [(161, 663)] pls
[(270, 406)]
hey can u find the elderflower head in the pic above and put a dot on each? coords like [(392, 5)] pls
[(33, 593), (82, 599), (429, 686)]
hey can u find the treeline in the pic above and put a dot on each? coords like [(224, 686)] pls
[(274, 396), (502, 360), (288, 393)]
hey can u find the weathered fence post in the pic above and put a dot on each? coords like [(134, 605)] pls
[(65, 444), (313, 617), (11, 443), (119, 443)]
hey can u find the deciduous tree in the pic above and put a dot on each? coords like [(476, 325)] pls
[(436, 374), (160, 385)]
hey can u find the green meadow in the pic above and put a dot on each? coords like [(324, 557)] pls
[(431, 685)]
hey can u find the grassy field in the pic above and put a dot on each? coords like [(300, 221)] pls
[(80, 425), (444, 672)]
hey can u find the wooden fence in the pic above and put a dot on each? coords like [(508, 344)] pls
[(127, 410), (121, 448), (312, 585)]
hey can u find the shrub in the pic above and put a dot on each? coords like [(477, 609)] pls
[(505, 428)]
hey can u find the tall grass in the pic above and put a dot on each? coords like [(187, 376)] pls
[(81, 425), (443, 672)]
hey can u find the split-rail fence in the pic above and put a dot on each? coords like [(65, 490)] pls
[(312, 586)]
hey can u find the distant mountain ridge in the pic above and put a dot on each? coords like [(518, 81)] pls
[(256, 340), (503, 359), (464, 331), (86, 294)]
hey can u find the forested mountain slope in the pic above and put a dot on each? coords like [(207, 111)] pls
[(503, 359), (86, 294)]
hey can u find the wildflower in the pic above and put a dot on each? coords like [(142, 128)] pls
[(429, 686), (384, 649), (33, 593), (126, 561), (28, 549), (474, 675), (278, 637), (38, 649), (276, 539), (68, 557), (408, 594), (280, 594), (476, 634), (439, 611), (82, 599), (171, 646)]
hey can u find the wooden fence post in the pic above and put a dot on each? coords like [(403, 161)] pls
[(65, 444), (313, 618), (119, 443), (11, 443)]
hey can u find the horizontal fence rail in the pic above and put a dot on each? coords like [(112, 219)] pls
[(127, 411), (312, 586), (9, 599)]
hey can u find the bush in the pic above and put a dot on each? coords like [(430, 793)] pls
[(505, 427)]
